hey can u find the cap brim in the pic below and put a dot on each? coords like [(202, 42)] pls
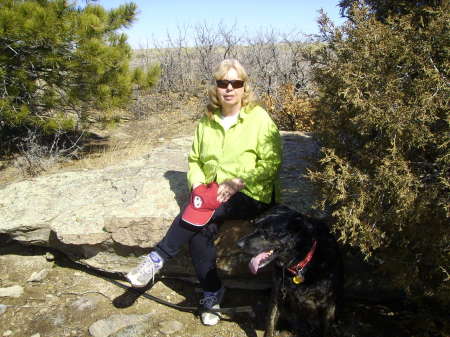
[(196, 217)]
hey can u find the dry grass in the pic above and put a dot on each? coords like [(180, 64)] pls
[(107, 154), (290, 109), (113, 153), (119, 140)]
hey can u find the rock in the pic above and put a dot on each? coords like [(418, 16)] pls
[(13, 291), (86, 302), (38, 276), (49, 256), (2, 308), (106, 218), (137, 330), (170, 327), (114, 323), (36, 335), (7, 333)]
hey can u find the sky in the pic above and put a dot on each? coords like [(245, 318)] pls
[(156, 18)]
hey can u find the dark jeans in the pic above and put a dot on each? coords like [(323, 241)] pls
[(201, 240)]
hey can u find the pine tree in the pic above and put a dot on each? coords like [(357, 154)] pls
[(57, 61)]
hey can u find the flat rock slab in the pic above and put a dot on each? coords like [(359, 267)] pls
[(13, 291), (114, 323), (106, 218)]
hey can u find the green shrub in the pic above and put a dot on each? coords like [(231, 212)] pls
[(382, 119)]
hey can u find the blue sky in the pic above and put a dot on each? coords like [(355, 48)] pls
[(156, 18)]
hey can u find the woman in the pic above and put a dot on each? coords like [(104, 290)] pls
[(233, 174)]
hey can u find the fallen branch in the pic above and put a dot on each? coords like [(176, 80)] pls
[(84, 293)]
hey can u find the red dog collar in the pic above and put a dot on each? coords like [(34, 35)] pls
[(296, 269)]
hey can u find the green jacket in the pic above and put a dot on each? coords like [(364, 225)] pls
[(250, 150)]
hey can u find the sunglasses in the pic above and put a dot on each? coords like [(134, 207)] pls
[(236, 84)]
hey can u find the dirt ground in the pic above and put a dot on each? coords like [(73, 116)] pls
[(70, 299)]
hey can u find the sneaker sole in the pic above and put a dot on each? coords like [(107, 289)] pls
[(136, 285), (210, 323)]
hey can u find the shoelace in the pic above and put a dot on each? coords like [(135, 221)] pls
[(148, 267), (208, 301)]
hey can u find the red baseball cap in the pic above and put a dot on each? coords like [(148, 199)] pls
[(202, 205)]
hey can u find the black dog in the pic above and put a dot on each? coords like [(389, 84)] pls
[(307, 273)]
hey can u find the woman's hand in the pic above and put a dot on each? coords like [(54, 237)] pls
[(228, 188)]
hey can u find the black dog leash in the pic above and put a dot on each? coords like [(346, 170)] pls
[(228, 311)]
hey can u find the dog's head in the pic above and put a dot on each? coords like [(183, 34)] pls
[(281, 235)]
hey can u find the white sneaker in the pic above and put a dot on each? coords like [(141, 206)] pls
[(141, 275), (211, 300)]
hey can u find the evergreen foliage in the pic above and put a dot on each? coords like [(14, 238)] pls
[(384, 9), (382, 118), (147, 79), (57, 62)]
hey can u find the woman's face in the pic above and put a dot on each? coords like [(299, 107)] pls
[(229, 96)]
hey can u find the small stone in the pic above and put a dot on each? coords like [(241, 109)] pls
[(13, 291), (38, 276), (86, 302), (112, 324), (170, 327), (7, 333), (49, 256), (36, 335)]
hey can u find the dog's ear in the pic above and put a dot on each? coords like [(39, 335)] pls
[(318, 227), (301, 224)]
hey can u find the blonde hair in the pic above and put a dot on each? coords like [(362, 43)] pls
[(248, 98)]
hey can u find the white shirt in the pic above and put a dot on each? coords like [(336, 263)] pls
[(228, 121)]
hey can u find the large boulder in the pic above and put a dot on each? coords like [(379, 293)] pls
[(106, 218)]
